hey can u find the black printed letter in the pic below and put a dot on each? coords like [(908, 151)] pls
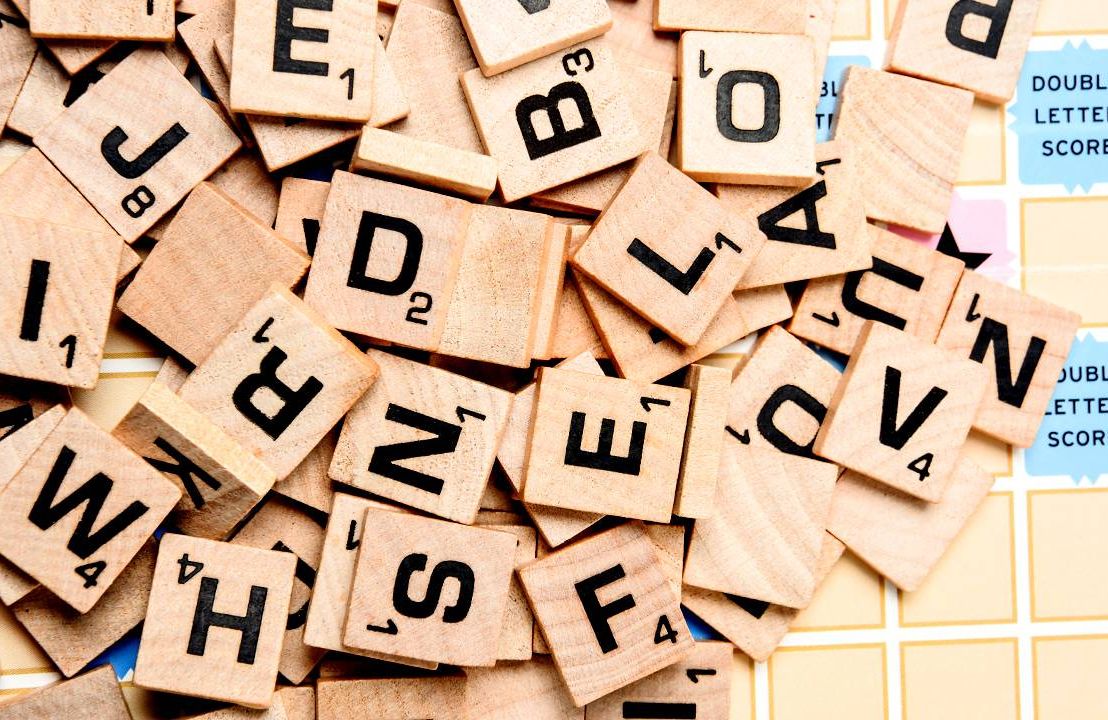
[(997, 15), (286, 32), (769, 430), (413, 250), (445, 440), (426, 607), (560, 138), (148, 158), (725, 90), (294, 400), (599, 614), (863, 309), (1008, 390), (897, 437), (205, 616), (603, 459)]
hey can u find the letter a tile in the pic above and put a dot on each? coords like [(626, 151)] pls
[(607, 611)]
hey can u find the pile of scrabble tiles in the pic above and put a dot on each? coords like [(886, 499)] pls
[(422, 451)]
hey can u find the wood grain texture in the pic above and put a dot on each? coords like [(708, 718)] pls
[(92, 696), (551, 282), (635, 630), (667, 248), (17, 52), (507, 35), (907, 285), (518, 627), (385, 152), (696, 485), (387, 260), (429, 698), (737, 141), (820, 27), (902, 412), (763, 542), (518, 691), (244, 179), (103, 19), (145, 97), (899, 536), (220, 480), (214, 263), (988, 320), (908, 136), (280, 348), (308, 484), (507, 107), (634, 40), (193, 576), (574, 332), (786, 17), (300, 212), (411, 402), (389, 611), (73, 458)]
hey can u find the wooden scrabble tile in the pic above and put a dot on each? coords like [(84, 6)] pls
[(696, 485), (214, 262), (240, 592), (505, 36), (426, 698), (574, 332), (780, 397), (907, 136), (459, 171), (308, 484), (669, 544), (634, 40), (899, 536), (73, 640), (518, 691), (221, 481), (607, 611), (526, 122), (387, 260), (754, 626), (518, 626), (698, 686), (46, 539), (172, 373), (244, 179), (283, 350), (423, 437), (300, 211), (978, 47), (551, 282), (143, 103), (95, 694), (317, 65), (290, 703), (907, 286), (902, 411), (567, 468), (57, 285), (820, 27), (814, 232), (493, 313), (17, 51), (335, 576), (669, 249), (999, 326), (395, 610), (200, 35), (763, 540), (389, 101), (788, 17), (112, 20), (282, 527), (745, 113)]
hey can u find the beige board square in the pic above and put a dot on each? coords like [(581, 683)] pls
[(216, 621), (607, 610), (73, 640), (100, 19), (907, 135), (1068, 675), (763, 541), (567, 468), (300, 212), (902, 412), (780, 397), (999, 327), (642, 352), (137, 142), (423, 437), (755, 626), (787, 17), (505, 35), (1068, 578), (814, 232), (518, 626), (668, 248), (976, 47), (426, 698), (92, 696), (387, 260), (493, 313), (699, 686), (430, 589), (308, 484), (57, 285), (942, 678), (745, 113), (221, 481), (215, 262), (280, 380), (846, 681), (696, 484), (518, 691), (335, 576), (17, 52), (80, 509), (315, 63), (554, 120), (386, 152), (907, 286), (282, 527), (899, 536)]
